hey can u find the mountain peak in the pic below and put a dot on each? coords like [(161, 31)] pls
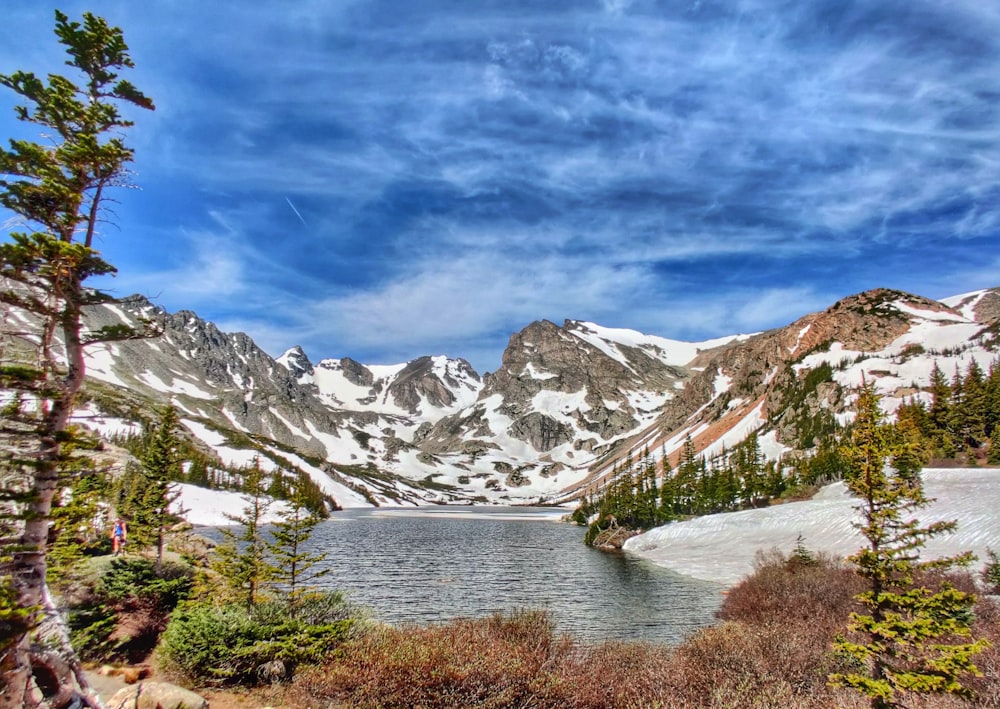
[(295, 361)]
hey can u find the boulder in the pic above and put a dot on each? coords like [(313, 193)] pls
[(156, 695)]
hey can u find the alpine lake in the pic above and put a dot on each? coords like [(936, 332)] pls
[(433, 564)]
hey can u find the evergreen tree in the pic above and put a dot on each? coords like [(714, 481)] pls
[(58, 188), (668, 490), (292, 567), (78, 518), (994, 455), (161, 465), (974, 401), (992, 401), (241, 559), (907, 637), (939, 411)]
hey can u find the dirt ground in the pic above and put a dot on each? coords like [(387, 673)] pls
[(106, 687)]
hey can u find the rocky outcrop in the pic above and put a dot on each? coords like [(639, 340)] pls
[(356, 373), (566, 403), (543, 432), (156, 695), (987, 307), (419, 382)]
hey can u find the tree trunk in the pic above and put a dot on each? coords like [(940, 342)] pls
[(28, 567)]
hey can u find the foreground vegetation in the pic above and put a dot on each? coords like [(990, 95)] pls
[(772, 648)]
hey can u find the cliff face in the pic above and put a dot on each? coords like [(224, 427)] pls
[(567, 402)]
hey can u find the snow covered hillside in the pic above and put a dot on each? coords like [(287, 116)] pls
[(567, 403), (722, 547)]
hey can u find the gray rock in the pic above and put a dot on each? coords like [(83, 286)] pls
[(156, 695)]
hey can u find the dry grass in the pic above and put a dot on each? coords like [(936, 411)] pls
[(771, 651)]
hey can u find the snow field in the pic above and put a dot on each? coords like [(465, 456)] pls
[(722, 547)]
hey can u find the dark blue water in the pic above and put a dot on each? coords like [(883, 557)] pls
[(439, 563)]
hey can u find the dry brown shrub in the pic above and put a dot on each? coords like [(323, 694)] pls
[(500, 661), (739, 664), (783, 591), (615, 675)]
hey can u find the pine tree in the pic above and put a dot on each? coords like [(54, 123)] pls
[(940, 411), (241, 559), (292, 567), (994, 456), (992, 415), (78, 517), (58, 188), (161, 466), (909, 638)]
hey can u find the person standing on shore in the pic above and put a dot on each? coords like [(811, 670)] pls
[(118, 535)]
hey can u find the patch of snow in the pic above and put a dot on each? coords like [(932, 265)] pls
[(178, 386), (100, 361), (802, 333), (941, 315), (722, 547), (671, 352), (201, 506), (118, 313), (531, 371), (965, 303)]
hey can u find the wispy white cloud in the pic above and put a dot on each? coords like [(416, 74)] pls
[(683, 168)]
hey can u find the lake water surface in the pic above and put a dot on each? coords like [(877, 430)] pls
[(437, 563)]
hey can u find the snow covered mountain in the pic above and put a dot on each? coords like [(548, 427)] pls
[(566, 404)]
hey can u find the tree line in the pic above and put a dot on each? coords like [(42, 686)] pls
[(191, 465), (960, 422), (962, 419)]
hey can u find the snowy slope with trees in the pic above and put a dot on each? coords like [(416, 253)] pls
[(722, 547)]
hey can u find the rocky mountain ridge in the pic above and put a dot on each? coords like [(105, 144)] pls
[(566, 403)]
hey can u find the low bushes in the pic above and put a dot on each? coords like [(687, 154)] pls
[(120, 617), (505, 660), (772, 650), (229, 644), (500, 661)]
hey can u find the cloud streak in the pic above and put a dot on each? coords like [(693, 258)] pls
[(685, 169)]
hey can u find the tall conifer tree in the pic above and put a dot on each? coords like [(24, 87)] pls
[(293, 568), (57, 187), (909, 638), (241, 560), (161, 466)]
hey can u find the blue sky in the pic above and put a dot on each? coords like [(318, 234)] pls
[(388, 179)]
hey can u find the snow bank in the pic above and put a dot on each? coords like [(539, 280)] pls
[(721, 547), (201, 506)]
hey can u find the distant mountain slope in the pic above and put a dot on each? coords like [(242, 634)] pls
[(566, 403)]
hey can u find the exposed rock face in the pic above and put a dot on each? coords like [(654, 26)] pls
[(543, 432), (566, 403), (356, 373), (987, 309), (544, 357), (297, 363), (419, 382)]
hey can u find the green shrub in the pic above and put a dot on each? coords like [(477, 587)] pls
[(232, 645), (991, 572), (127, 609), (91, 628), (136, 580)]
